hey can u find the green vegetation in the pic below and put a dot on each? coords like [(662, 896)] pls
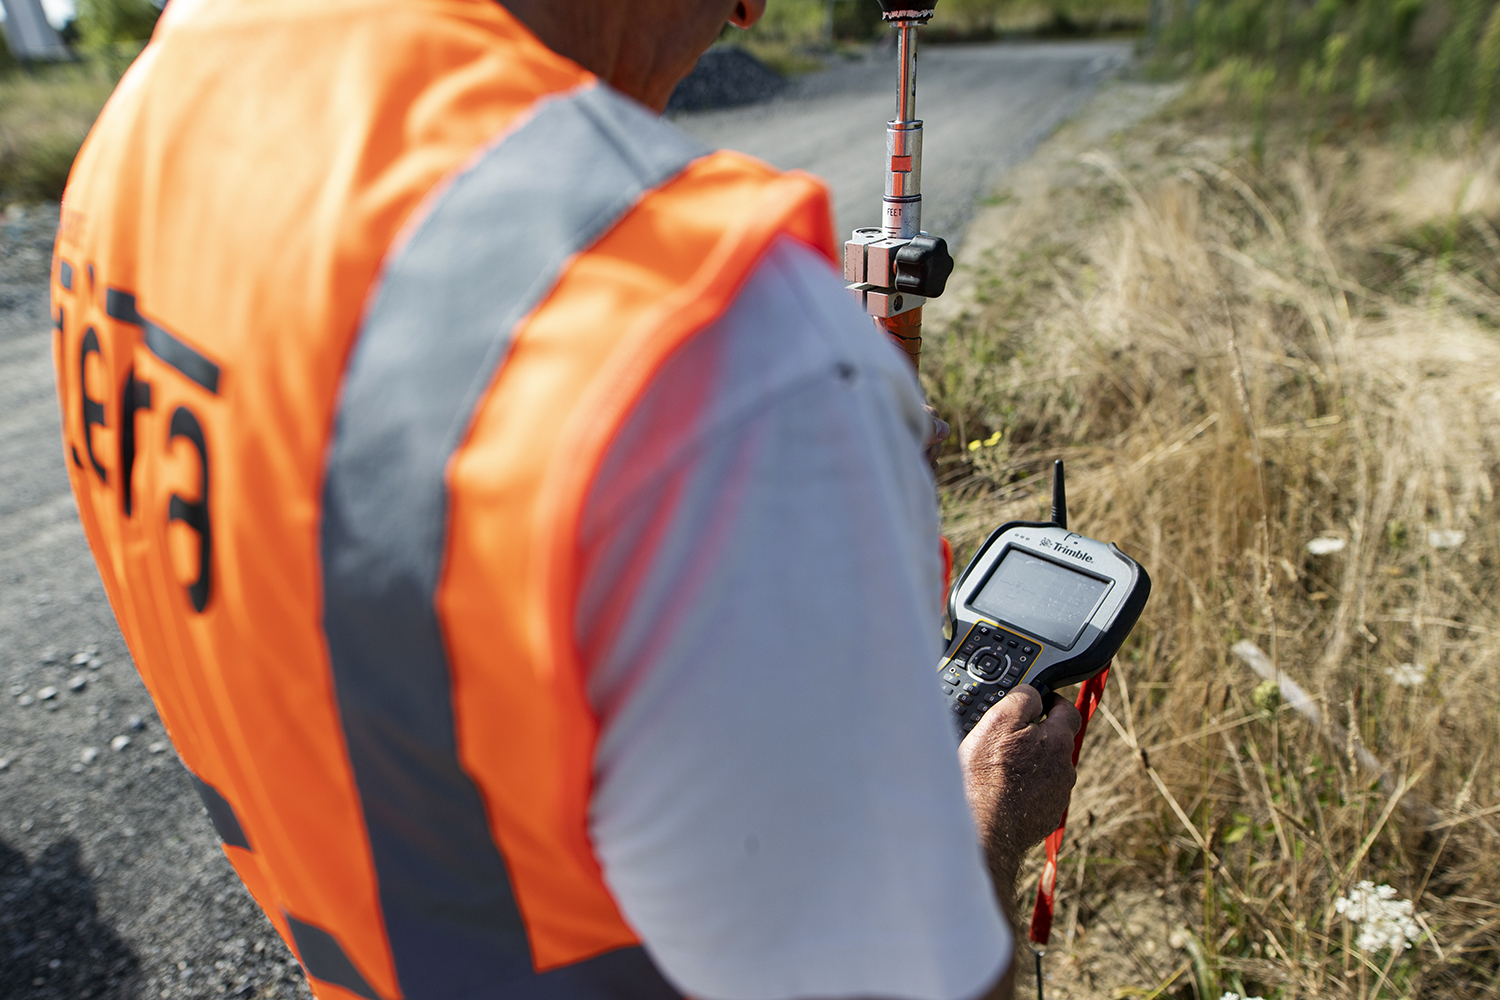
[(46, 111), (1368, 62), (44, 116), (794, 33), (113, 28)]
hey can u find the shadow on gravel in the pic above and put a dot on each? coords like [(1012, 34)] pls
[(52, 942)]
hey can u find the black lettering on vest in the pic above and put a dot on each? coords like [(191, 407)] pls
[(93, 410), (133, 396), (194, 513)]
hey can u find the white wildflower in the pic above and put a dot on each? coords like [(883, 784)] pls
[(1408, 675), (1325, 546), (1384, 921), (1236, 996), (1445, 538)]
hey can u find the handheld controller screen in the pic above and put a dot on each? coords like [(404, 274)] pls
[(1038, 596), (1040, 605)]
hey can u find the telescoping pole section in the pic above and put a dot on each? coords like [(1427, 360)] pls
[(895, 267)]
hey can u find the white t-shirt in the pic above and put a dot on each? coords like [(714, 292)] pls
[(777, 805)]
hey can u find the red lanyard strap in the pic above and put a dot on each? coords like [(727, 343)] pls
[(1089, 696)]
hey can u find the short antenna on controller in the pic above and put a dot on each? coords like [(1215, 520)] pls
[(1059, 496)]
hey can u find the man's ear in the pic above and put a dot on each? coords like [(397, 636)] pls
[(747, 12)]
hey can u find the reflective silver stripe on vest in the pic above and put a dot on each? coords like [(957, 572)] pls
[(492, 246)]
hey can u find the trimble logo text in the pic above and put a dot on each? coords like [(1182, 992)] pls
[(1075, 553)]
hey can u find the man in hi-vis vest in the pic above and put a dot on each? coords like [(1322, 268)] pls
[(526, 542)]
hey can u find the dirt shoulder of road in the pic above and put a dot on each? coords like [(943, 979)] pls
[(1102, 122)]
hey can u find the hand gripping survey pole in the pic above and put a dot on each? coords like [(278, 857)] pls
[(895, 267)]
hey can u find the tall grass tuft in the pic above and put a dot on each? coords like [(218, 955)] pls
[(1435, 57), (1280, 391), (44, 117)]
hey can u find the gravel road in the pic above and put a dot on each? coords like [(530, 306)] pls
[(112, 884), (984, 108)]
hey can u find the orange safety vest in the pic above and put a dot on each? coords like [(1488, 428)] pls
[(351, 299)]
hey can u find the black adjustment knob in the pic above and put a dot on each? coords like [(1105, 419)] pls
[(923, 266)]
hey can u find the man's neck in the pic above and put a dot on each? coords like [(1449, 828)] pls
[(640, 48)]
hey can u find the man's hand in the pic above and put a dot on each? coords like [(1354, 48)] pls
[(936, 436), (1018, 775)]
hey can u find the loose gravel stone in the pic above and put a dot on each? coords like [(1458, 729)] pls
[(725, 77), (119, 743), (4, 763), (16, 690), (78, 683), (136, 724), (47, 693), (25, 700), (51, 656), (157, 748), (95, 663), (88, 755), (79, 659)]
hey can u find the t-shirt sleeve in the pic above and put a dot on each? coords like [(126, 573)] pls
[(777, 804)]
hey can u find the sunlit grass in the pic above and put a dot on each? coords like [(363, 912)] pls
[(1235, 363), (44, 116)]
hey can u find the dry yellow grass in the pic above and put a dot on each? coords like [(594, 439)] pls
[(1234, 364), (44, 116)]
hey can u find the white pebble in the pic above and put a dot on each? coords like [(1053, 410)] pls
[(119, 743), (47, 693), (95, 663), (4, 763), (1408, 675), (79, 659), (25, 700), (1325, 546), (88, 755), (1445, 538), (78, 683), (157, 748)]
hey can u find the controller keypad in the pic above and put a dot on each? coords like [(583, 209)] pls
[(997, 659)]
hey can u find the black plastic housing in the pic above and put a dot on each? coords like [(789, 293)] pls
[(989, 654)]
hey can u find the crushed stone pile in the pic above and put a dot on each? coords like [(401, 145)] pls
[(726, 77)]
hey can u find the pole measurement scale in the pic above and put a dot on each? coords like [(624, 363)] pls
[(895, 267), (1038, 604)]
